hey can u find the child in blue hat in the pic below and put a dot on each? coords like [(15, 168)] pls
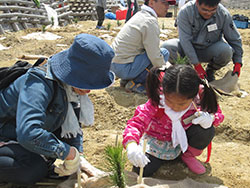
[(40, 113)]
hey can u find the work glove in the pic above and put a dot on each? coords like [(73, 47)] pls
[(69, 166), (136, 155), (200, 71), (236, 70), (204, 119)]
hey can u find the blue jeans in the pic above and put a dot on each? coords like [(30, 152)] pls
[(130, 71), (20, 166)]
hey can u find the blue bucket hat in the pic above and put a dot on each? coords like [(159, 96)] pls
[(86, 64)]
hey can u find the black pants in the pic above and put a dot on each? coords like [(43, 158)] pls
[(198, 138), (130, 11), (100, 15), (20, 166), (151, 167)]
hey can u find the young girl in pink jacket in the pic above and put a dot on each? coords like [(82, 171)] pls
[(178, 119)]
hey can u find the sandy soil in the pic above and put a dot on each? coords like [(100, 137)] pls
[(230, 160)]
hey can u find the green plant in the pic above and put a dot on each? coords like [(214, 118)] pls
[(163, 26), (43, 28), (75, 20), (181, 60), (52, 21), (118, 23), (116, 164), (108, 26)]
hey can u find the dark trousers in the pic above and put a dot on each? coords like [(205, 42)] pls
[(198, 138), (20, 166), (130, 11), (100, 15), (151, 167)]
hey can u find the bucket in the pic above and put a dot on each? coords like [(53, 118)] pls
[(121, 14)]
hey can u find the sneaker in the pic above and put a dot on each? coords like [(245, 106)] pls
[(123, 83), (100, 27), (131, 86)]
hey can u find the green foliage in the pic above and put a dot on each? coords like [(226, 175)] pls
[(118, 23), (108, 26), (52, 21), (116, 160), (181, 60), (37, 2), (163, 26), (75, 20), (43, 28)]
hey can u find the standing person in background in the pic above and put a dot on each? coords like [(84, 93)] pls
[(39, 118), (100, 8), (203, 25), (137, 46), (132, 9), (173, 97)]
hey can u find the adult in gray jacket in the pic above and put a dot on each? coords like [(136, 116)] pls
[(137, 46), (38, 119), (206, 34)]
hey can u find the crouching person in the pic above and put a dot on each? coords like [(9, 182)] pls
[(162, 120), (41, 110)]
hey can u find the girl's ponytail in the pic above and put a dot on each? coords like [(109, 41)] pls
[(209, 98), (153, 85)]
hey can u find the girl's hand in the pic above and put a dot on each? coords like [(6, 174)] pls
[(136, 155), (204, 119)]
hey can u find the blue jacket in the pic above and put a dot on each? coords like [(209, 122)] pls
[(32, 110)]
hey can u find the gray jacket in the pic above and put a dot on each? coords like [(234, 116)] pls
[(193, 31)]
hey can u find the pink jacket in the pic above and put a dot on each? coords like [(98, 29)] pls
[(161, 125)]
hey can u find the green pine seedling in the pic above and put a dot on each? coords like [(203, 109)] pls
[(52, 21), (108, 26), (118, 23), (75, 20), (43, 28), (181, 60), (163, 26), (116, 160)]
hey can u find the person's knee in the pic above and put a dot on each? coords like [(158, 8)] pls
[(225, 54), (199, 137), (170, 44), (172, 47)]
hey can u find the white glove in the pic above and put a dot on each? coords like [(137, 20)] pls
[(69, 166), (89, 169), (204, 119), (136, 155)]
